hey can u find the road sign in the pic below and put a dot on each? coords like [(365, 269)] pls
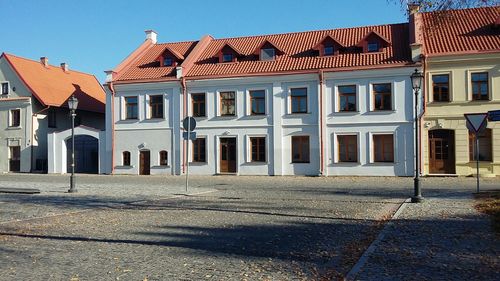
[(494, 115), (192, 135), (189, 123), (476, 121)]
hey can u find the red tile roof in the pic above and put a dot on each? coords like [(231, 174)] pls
[(51, 86), (461, 31), (298, 54)]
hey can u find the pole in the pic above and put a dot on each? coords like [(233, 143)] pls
[(417, 198), (187, 154), (72, 178), (477, 160)]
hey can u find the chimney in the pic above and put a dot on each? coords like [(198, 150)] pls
[(109, 76), (151, 34), (64, 67), (413, 8), (44, 61)]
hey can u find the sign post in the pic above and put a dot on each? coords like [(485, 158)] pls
[(476, 122), (189, 124)]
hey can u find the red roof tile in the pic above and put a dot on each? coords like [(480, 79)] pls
[(52, 86), (461, 31)]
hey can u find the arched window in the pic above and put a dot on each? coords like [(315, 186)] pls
[(163, 158), (126, 158)]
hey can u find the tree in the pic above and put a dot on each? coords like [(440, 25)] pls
[(443, 5)]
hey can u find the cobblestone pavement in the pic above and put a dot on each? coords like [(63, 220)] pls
[(229, 228)]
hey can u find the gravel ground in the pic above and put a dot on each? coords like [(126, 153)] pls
[(230, 228)]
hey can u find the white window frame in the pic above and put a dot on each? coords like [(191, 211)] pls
[(430, 96), (289, 99), (335, 146), (147, 109), (190, 103), (371, 100), (9, 118), (159, 158), (371, 147), (248, 108), (469, 73), (248, 156), (8, 89), (218, 103), (124, 108), (336, 97)]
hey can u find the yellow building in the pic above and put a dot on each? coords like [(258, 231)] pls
[(461, 58)]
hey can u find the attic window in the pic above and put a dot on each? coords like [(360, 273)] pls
[(267, 54), (5, 88), (168, 61), (328, 50), (227, 57), (373, 46)]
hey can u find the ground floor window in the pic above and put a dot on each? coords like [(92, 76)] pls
[(126, 158), (485, 146), (383, 148), (258, 149), (347, 148), (163, 158), (14, 158), (300, 149), (199, 152)]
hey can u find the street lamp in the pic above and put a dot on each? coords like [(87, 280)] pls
[(416, 84), (72, 104)]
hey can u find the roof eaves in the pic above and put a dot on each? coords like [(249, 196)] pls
[(133, 57)]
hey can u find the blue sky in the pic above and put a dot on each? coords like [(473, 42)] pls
[(95, 35)]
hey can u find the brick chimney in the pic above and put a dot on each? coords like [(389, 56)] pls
[(64, 67), (151, 34), (44, 61)]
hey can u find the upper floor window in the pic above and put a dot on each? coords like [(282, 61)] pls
[(15, 118), (383, 148), (131, 108), (198, 105), (267, 54), (328, 51), (168, 61), (126, 158), (258, 102), (258, 149), (5, 88), (441, 87), (300, 149), (372, 46), (163, 158), (347, 98), (347, 148), (199, 152), (298, 98), (480, 86), (227, 57), (52, 118), (485, 148), (227, 104), (382, 95), (156, 106)]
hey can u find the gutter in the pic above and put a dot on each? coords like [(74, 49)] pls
[(185, 113)]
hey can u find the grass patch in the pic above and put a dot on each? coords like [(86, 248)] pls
[(489, 203)]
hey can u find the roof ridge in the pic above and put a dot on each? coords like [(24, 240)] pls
[(54, 66), (463, 9)]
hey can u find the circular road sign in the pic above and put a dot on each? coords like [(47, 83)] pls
[(189, 123)]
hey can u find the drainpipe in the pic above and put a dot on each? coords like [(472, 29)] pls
[(33, 132), (185, 113), (321, 153), (112, 89)]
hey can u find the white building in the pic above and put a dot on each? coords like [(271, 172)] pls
[(329, 102)]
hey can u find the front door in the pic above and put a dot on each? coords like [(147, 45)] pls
[(441, 152), (228, 155), (15, 159), (144, 162)]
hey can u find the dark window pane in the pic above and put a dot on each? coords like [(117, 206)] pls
[(227, 57), (328, 50), (156, 106), (131, 108), (15, 118), (347, 98), (126, 158), (383, 148), (480, 89), (227, 103), (199, 150), (258, 149), (258, 102), (300, 149), (267, 54), (440, 87), (382, 96), (198, 103), (299, 100), (167, 61), (347, 148), (373, 46), (163, 158), (5, 88)]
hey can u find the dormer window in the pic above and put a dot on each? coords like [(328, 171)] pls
[(328, 51), (227, 57), (170, 57), (328, 46), (228, 53), (168, 61), (267, 54), (372, 46), (373, 42)]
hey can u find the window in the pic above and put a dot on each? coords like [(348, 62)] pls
[(168, 61), (131, 108), (227, 57), (480, 86), (383, 96), (5, 88), (126, 158), (300, 149), (299, 100), (156, 106), (15, 159), (485, 146), (163, 158), (199, 153), (440, 87), (258, 149), (348, 148), (198, 104), (267, 54), (52, 118), (258, 102), (373, 46), (383, 148), (227, 104), (347, 98), (15, 118), (328, 51)]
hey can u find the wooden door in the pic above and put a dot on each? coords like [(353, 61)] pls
[(144, 163), (228, 155), (441, 152)]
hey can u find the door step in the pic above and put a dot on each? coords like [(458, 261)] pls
[(442, 175)]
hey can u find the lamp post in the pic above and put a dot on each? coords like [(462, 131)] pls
[(72, 104), (416, 83)]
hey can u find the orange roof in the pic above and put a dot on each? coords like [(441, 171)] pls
[(51, 86), (461, 31), (297, 48)]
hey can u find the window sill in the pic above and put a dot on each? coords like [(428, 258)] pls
[(125, 167), (127, 121), (346, 163), (198, 163), (355, 112), (200, 117), (14, 128), (300, 162), (256, 163), (480, 162), (298, 114), (382, 112), (160, 167), (382, 163)]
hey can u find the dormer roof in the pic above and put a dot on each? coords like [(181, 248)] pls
[(267, 43), (325, 39), (173, 52), (230, 47), (372, 33)]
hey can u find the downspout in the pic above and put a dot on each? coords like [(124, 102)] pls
[(32, 134), (185, 113), (112, 89), (321, 154)]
